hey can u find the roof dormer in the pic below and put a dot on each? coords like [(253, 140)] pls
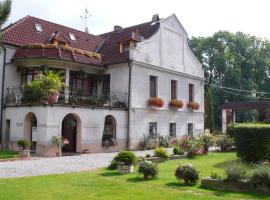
[(58, 38)]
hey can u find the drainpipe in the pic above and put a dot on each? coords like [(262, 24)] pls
[(129, 104), (2, 95)]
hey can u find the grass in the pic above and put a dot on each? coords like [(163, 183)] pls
[(7, 154), (105, 184)]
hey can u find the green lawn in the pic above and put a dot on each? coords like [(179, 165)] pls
[(104, 184), (6, 154)]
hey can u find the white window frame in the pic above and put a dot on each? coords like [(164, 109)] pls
[(38, 27)]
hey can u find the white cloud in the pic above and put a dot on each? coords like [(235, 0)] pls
[(200, 18)]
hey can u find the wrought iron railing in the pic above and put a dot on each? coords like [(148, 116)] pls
[(15, 96)]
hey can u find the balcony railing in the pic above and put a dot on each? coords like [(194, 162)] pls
[(15, 96)]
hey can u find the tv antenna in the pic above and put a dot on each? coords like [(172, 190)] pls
[(85, 17)]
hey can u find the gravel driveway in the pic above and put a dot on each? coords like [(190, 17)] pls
[(57, 165)]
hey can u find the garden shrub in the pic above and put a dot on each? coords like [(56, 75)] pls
[(187, 173), (148, 170), (23, 144), (164, 141), (125, 157), (214, 176), (113, 165), (252, 141), (261, 176), (161, 152), (190, 145), (224, 142), (235, 172), (178, 151), (206, 140)]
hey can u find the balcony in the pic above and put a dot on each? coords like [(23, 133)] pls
[(15, 97)]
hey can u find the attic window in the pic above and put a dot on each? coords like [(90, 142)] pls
[(72, 36), (38, 27)]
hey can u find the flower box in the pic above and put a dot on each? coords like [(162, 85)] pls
[(24, 153), (124, 169), (193, 106), (155, 102), (176, 104)]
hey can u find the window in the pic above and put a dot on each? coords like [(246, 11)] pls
[(191, 92), (106, 85), (109, 132), (38, 27), (72, 36), (173, 89), (173, 130), (152, 129), (190, 129), (30, 74), (153, 86)]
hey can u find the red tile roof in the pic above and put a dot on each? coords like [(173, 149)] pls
[(110, 48), (23, 32)]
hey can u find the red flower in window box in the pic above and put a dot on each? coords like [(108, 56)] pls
[(193, 105), (176, 103), (156, 102)]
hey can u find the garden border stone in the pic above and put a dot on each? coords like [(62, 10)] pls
[(242, 186)]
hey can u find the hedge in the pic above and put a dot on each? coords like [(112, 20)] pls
[(252, 141)]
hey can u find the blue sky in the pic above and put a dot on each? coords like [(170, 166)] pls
[(199, 17)]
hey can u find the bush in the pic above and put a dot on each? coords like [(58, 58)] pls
[(187, 173), (113, 165), (235, 172), (148, 170), (24, 144), (178, 151), (214, 176), (161, 152), (252, 141), (164, 141), (126, 157), (224, 142), (207, 140), (261, 176), (190, 145), (148, 156)]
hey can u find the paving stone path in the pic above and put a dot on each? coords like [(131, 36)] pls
[(58, 165)]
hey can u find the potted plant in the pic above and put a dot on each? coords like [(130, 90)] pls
[(59, 142), (176, 104), (52, 85), (193, 106), (155, 102), (24, 150), (125, 161)]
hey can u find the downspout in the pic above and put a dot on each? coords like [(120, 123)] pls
[(129, 104), (2, 95)]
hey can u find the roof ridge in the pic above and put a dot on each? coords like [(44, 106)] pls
[(65, 26), (126, 28)]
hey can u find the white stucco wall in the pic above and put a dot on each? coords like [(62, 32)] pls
[(49, 122), (167, 56)]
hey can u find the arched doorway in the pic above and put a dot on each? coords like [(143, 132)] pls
[(69, 132), (30, 130), (109, 132)]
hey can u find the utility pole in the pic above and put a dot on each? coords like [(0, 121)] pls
[(85, 17)]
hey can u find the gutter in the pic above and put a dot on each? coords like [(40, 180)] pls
[(129, 104), (2, 95)]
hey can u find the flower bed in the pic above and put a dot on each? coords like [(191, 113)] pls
[(241, 186), (155, 102), (193, 105), (176, 104)]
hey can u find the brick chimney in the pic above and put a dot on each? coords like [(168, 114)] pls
[(155, 18), (117, 28)]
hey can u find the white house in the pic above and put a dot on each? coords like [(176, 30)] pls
[(110, 78)]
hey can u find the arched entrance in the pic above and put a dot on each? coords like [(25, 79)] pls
[(109, 133), (69, 132), (30, 130)]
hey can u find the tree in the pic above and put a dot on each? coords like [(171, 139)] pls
[(209, 114), (239, 61), (5, 8)]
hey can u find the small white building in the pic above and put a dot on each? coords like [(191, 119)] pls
[(110, 79)]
